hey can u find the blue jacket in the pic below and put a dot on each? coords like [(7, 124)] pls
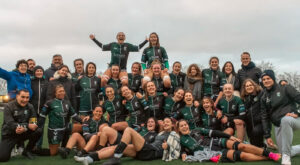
[(16, 81)]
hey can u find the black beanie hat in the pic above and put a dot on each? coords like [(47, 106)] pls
[(36, 68), (269, 73)]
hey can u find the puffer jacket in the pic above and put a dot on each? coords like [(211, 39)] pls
[(68, 85), (249, 71), (276, 103)]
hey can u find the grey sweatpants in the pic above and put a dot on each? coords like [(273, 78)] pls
[(284, 135)]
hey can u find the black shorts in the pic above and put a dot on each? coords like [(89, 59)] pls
[(148, 152), (88, 137), (118, 140), (56, 136), (229, 124), (215, 144)]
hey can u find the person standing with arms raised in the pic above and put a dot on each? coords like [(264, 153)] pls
[(119, 55)]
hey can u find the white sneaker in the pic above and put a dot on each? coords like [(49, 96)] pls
[(20, 150), (14, 152), (295, 150), (286, 159), (84, 160)]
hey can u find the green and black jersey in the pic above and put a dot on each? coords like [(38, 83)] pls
[(116, 84), (199, 138), (135, 82), (177, 81), (210, 121), (115, 109), (137, 109), (59, 113), (192, 115), (92, 126), (159, 84), (214, 81), (152, 53), (171, 108), (119, 52), (156, 104), (90, 93), (232, 109)]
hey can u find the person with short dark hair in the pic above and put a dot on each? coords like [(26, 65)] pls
[(248, 70), (57, 61), (17, 79), (31, 65), (278, 106), (119, 55), (20, 124)]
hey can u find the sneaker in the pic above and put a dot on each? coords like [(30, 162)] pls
[(274, 156), (84, 160), (286, 160), (215, 159), (20, 150), (113, 161), (271, 147), (295, 150), (63, 152), (28, 154), (14, 152)]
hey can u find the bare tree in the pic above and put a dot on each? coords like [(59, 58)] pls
[(3, 86), (266, 65), (293, 78)]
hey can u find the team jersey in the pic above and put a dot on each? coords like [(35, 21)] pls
[(135, 82), (59, 113), (177, 81), (137, 109), (233, 109), (119, 52), (213, 82), (156, 104), (115, 109), (90, 93), (192, 115), (116, 84), (171, 108), (152, 53), (92, 126)]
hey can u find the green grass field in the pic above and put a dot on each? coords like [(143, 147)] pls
[(56, 160)]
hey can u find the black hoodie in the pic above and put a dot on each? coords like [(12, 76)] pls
[(249, 71)]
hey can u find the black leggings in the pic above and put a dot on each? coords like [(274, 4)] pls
[(255, 134), (8, 143)]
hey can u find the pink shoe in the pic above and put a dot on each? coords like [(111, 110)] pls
[(274, 156), (215, 159)]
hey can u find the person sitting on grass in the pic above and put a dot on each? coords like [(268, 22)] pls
[(203, 144), (88, 140), (133, 145)]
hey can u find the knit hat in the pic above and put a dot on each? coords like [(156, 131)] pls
[(269, 73), (36, 68)]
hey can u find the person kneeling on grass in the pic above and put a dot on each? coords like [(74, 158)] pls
[(205, 144), (134, 145), (59, 110), (89, 139)]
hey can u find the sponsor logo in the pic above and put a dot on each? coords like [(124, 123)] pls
[(278, 94)]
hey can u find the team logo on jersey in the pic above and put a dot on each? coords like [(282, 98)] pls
[(136, 104), (125, 48), (158, 50), (25, 112), (95, 82), (84, 83), (278, 94), (16, 113), (117, 104), (298, 110), (136, 81), (67, 106), (233, 106)]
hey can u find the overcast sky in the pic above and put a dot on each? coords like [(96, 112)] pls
[(190, 30)]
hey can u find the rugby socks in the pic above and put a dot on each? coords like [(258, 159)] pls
[(266, 153), (120, 149), (93, 156)]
